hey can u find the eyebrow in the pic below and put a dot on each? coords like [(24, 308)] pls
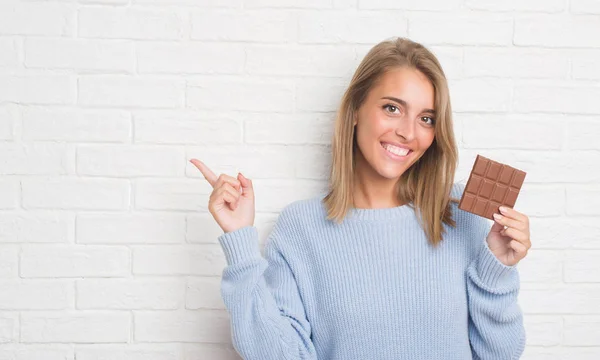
[(403, 103)]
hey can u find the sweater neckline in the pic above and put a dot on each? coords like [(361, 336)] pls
[(381, 213)]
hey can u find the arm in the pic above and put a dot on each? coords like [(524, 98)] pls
[(496, 328), (267, 315)]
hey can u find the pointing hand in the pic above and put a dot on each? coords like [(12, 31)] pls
[(231, 202)]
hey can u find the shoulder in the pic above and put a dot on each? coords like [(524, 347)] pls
[(298, 216), (304, 210)]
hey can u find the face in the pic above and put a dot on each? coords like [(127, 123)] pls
[(395, 112)]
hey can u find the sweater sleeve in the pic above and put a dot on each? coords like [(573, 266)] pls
[(495, 325), (268, 320)]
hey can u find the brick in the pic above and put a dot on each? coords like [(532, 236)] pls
[(196, 3), (583, 64), (274, 26), (558, 31), (190, 58), (541, 266), (130, 228), (516, 63), (584, 6), (130, 92), (80, 54), (36, 351), (127, 351), (129, 161), (38, 89), (461, 29), (205, 260), (210, 351), (72, 193), (559, 298), (322, 61), (33, 159), (176, 127), (322, 95), (188, 326), (8, 117), (551, 6), (75, 327), (204, 293), (543, 330), (550, 233), (581, 330), (481, 95), (9, 52), (319, 27), (288, 4), (423, 5), (125, 294), (76, 125), (560, 97), (9, 261), (475, 135), (203, 229), (36, 295), (130, 23), (583, 140), (10, 192), (164, 194), (275, 161), (9, 327), (74, 261), (583, 200), (37, 227), (251, 94), (33, 18), (582, 266), (292, 129)]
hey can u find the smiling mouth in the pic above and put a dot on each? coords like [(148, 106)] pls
[(394, 155)]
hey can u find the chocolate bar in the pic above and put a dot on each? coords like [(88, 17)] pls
[(491, 184)]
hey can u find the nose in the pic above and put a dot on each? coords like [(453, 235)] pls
[(406, 128)]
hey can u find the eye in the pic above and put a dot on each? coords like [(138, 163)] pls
[(432, 119), (391, 107)]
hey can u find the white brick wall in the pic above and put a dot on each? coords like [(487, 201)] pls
[(106, 246)]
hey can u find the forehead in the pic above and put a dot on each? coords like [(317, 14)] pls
[(408, 84)]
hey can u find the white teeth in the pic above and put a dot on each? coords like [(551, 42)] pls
[(396, 150)]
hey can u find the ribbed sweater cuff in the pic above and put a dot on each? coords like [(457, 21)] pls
[(491, 271), (241, 244)]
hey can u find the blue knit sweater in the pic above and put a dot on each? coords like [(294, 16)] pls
[(369, 288)]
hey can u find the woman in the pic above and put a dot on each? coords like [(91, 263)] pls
[(384, 265)]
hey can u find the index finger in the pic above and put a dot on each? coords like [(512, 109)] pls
[(206, 172)]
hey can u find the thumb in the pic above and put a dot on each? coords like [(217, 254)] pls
[(246, 184)]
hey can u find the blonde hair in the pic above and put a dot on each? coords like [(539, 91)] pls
[(428, 182)]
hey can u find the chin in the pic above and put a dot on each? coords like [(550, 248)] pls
[(389, 171)]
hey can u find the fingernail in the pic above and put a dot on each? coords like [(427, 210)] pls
[(502, 208), (498, 216)]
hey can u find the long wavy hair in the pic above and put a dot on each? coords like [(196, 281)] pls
[(428, 182)]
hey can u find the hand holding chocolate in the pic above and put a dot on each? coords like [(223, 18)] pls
[(491, 184)]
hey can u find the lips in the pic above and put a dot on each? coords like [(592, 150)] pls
[(395, 157), (383, 145)]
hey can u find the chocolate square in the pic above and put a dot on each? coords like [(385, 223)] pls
[(491, 184)]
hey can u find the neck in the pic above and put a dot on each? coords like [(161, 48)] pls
[(371, 190)]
